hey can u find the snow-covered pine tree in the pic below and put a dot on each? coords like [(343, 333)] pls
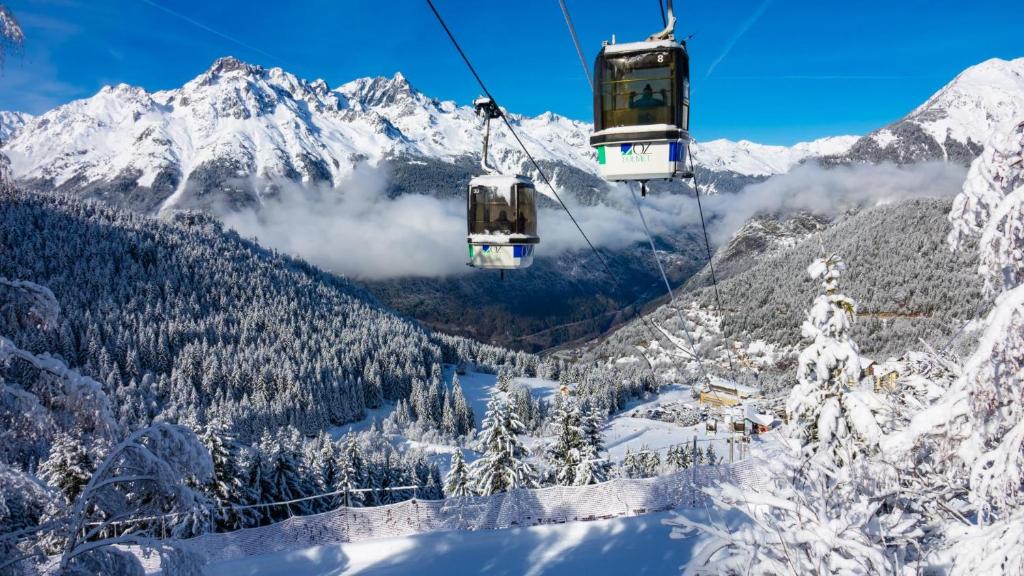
[(567, 451), (464, 416), (152, 472), (679, 457), (457, 483), (593, 467), (68, 466), (502, 466), (282, 478), (630, 467), (225, 485), (329, 472), (449, 424), (352, 477), (819, 512), (710, 456), (504, 383), (650, 462), (830, 415)]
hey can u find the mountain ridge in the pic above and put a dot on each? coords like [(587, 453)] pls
[(173, 147)]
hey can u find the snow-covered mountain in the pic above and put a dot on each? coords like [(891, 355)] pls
[(11, 123), (197, 144), (954, 123), (201, 144), (753, 159)]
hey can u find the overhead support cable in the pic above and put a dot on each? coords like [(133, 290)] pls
[(711, 263), (668, 287), (576, 42), (607, 269), (515, 135)]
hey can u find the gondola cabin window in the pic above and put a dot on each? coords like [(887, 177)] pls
[(499, 210), (526, 217), (637, 89)]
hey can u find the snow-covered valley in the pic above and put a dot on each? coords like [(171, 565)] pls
[(238, 335)]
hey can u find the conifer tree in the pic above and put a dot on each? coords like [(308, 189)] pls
[(502, 466), (567, 452), (457, 483), (225, 485), (464, 416), (449, 425), (352, 475), (710, 456), (68, 466), (679, 457), (831, 419), (592, 468)]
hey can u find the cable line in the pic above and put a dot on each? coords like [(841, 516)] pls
[(540, 171), (576, 42), (711, 263), (694, 354), (668, 287), (512, 130)]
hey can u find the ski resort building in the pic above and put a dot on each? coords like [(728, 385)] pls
[(725, 393)]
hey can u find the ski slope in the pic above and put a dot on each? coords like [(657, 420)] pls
[(638, 545)]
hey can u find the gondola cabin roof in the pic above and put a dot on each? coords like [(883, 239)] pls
[(500, 180), (628, 47), (502, 183)]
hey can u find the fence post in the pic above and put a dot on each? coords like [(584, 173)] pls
[(693, 486), (732, 444)]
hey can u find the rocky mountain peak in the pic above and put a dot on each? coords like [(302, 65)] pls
[(380, 91)]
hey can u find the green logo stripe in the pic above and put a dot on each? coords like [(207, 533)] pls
[(600, 154)]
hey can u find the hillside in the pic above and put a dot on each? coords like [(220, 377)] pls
[(239, 140), (909, 287), (182, 319)]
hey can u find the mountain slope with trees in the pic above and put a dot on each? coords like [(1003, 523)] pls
[(185, 320)]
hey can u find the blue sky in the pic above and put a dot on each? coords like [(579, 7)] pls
[(776, 72)]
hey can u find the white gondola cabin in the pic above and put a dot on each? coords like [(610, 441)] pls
[(642, 109), (502, 222)]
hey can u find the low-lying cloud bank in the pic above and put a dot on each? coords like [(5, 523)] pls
[(358, 231), (830, 192)]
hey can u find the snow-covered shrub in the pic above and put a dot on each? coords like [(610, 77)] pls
[(152, 473), (991, 207), (798, 524)]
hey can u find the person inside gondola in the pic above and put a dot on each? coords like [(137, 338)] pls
[(647, 99), (502, 223)]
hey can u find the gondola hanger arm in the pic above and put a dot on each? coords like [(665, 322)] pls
[(670, 26)]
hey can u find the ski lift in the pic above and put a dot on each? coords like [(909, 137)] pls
[(501, 211), (642, 108)]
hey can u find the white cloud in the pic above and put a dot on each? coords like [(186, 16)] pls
[(358, 231)]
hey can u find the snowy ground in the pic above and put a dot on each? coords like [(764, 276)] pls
[(623, 431), (636, 546)]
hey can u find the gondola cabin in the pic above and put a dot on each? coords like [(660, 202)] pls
[(642, 110), (502, 222)]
